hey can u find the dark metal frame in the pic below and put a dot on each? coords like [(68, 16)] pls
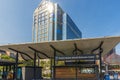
[(75, 52), (21, 53), (51, 67), (35, 56), (23, 57), (54, 64), (36, 52), (34, 59), (16, 64), (57, 50), (99, 54), (39, 52), (6, 68)]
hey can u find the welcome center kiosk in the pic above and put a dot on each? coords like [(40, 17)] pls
[(80, 59)]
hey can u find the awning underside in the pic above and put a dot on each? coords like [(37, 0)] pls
[(64, 48)]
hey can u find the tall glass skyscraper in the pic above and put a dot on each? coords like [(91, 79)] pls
[(51, 23)]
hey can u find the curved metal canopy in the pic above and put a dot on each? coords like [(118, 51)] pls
[(64, 48)]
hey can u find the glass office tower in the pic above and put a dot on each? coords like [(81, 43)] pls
[(51, 23)]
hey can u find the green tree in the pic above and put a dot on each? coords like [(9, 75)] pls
[(6, 57)]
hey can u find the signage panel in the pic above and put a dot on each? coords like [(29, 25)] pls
[(80, 57)]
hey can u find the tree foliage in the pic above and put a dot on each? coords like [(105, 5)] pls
[(6, 57)]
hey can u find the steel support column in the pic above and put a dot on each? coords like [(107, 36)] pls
[(100, 50), (54, 60), (38, 62), (54, 65), (16, 66), (6, 68), (36, 52), (3, 75), (100, 56), (10, 68), (14, 72), (100, 63), (51, 68), (35, 56), (76, 71)]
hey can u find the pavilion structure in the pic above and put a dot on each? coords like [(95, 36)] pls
[(76, 55)]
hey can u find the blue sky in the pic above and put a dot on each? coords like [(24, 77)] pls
[(95, 18)]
